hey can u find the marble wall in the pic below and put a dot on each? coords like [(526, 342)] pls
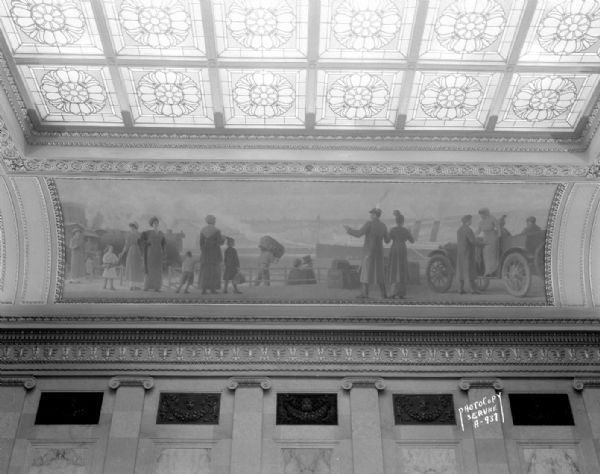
[(128, 439)]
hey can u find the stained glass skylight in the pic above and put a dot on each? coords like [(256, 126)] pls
[(370, 66)]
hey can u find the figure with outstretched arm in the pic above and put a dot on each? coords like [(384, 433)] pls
[(371, 270)]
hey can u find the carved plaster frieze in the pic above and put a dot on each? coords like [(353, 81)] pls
[(27, 382), (467, 384), (245, 382), (309, 169), (365, 382), (10, 154), (548, 245), (61, 242), (304, 356), (146, 382)]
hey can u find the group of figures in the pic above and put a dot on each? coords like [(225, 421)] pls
[(491, 231), (372, 270), (144, 253)]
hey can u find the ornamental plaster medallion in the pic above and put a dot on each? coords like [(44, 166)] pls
[(469, 26), (72, 91), (264, 94), (261, 24), (358, 96), (451, 97), (366, 26), (544, 98), (168, 93), (159, 24), (51, 22), (570, 27)]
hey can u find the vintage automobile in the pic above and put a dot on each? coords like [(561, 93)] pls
[(521, 257)]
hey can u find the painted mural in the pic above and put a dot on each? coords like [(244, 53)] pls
[(330, 242)]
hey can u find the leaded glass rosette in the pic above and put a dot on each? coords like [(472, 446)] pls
[(546, 101), (261, 28), (451, 100), (50, 26), (368, 30), (269, 98), (470, 29), (564, 32), (171, 28), (175, 96), (81, 94), (349, 99)]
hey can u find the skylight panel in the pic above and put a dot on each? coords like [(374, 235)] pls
[(261, 28), (366, 29), (564, 32), (357, 99), (451, 100), (264, 98), (469, 30), (50, 27), (77, 95), (546, 101), (168, 28), (174, 96)]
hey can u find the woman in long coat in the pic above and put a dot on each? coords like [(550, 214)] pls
[(77, 247), (153, 245), (211, 256), (490, 228), (398, 259), (134, 263)]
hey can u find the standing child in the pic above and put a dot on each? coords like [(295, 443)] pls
[(232, 265), (264, 262), (109, 262), (187, 272)]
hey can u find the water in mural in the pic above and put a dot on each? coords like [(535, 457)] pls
[(250, 241)]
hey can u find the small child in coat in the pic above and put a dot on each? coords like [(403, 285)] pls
[(232, 266), (187, 272), (110, 261)]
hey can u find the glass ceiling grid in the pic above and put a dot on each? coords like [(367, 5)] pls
[(249, 61)]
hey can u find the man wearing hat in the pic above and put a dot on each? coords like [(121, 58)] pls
[(371, 269), (465, 256)]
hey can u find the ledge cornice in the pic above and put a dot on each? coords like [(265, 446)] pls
[(146, 382)]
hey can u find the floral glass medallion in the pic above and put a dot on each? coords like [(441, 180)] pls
[(468, 26), (156, 23), (264, 94), (570, 27), (452, 96), (51, 22), (364, 25), (358, 96), (261, 24), (544, 98), (72, 91), (168, 93)]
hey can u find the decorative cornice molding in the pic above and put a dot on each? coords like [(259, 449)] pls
[(146, 382), (363, 382), (60, 238), (557, 199), (580, 384), (467, 384), (27, 382), (594, 170), (310, 169), (249, 382), (10, 154)]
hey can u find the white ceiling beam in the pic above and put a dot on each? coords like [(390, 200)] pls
[(210, 41), (413, 57), (310, 100), (513, 58), (109, 52)]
